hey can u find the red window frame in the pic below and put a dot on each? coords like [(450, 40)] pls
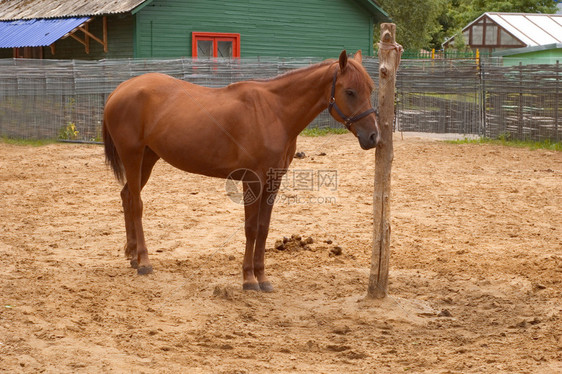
[(215, 37)]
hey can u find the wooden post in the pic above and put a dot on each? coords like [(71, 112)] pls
[(556, 101), (87, 37), (104, 34), (520, 105), (389, 59)]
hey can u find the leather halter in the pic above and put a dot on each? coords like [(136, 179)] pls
[(347, 121)]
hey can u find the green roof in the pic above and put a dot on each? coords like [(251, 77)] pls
[(518, 51), (375, 9)]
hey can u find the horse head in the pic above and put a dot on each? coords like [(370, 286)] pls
[(351, 93)]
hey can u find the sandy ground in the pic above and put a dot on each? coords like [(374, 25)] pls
[(476, 266)]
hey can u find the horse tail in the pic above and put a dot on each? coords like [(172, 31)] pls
[(111, 156)]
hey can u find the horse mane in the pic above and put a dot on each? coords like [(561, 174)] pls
[(296, 71), (361, 74)]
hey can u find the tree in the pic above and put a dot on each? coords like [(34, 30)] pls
[(416, 21), (427, 23)]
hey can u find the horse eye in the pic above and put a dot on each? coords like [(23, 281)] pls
[(350, 93)]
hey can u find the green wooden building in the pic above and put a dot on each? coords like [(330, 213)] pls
[(186, 28), (538, 55)]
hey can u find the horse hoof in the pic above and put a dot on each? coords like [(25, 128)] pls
[(134, 264), (251, 287), (266, 286), (144, 270)]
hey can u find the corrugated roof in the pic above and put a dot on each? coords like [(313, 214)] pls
[(30, 9), (531, 29), (36, 32)]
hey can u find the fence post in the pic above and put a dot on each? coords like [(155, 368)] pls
[(556, 98), (520, 112), (482, 130), (389, 59)]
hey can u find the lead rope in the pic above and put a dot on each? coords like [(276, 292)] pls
[(399, 49), (396, 46)]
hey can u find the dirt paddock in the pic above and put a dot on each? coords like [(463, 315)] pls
[(476, 266)]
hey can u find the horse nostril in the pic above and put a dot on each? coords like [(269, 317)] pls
[(374, 138)]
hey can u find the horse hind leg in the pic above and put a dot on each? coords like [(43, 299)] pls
[(149, 159), (131, 244)]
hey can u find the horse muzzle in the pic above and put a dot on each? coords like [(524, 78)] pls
[(369, 141)]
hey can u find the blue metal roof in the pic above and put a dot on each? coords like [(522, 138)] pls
[(36, 32)]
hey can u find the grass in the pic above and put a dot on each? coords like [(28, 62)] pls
[(27, 142), (316, 131), (506, 141), (322, 131)]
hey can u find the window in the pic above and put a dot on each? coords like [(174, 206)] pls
[(508, 40), (491, 35), (477, 33), (214, 44)]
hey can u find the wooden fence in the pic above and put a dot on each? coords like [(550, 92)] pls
[(522, 102), (64, 99), (440, 96), (485, 98)]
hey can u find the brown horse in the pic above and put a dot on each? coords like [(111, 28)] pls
[(242, 131)]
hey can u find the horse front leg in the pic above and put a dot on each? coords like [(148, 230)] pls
[(251, 212), (266, 207)]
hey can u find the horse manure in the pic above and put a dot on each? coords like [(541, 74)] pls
[(294, 243), (336, 251), (298, 243), (444, 313), (300, 155)]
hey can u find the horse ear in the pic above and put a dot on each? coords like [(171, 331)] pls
[(343, 59), (358, 57)]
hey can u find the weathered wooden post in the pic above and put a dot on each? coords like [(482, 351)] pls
[(389, 59)]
